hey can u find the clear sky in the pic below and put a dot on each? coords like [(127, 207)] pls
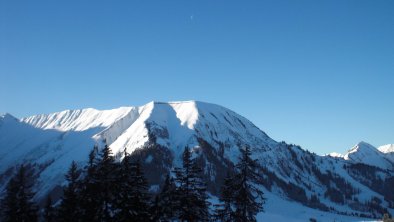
[(315, 73)]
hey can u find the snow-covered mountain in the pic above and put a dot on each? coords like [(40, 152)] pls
[(158, 132), (368, 154), (388, 151)]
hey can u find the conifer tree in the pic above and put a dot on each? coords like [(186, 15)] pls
[(105, 178), (132, 199), (9, 205), (89, 202), (49, 211), (18, 204), (139, 194), (125, 183), (165, 202), (224, 211), (69, 209), (248, 198), (192, 197)]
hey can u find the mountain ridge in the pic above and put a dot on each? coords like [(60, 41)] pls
[(158, 133)]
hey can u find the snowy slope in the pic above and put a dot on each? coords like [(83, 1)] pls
[(335, 154), (368, 154), (179, 123), (77, 120), (52, 141), (388, 151)]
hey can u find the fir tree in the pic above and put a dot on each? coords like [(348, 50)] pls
[(9, 205), (165, 202), (89, 186), (139, 194), (106, 178), (132, 198), (125, 184), (225, 209), (69, 209), (49, 211), (192, 197), (18, 204), (248, 198)]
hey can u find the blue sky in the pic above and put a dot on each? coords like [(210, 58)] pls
[(315, 73)]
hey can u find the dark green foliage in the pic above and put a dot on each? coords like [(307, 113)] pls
[(89, 189), (335, 195), (98, 187), (105, 179), (9, 205), (224, 211), (314, 202), (375, 206), (69, 209), (248, 197), (296, 193), (123, 197), (347, 191), (165, 203), (112, 191), (388, 189), (241, 199), (18, 204), (131, 197), (192, 197), (49, 211)]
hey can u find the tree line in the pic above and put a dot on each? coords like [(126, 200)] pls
[(108, 190)]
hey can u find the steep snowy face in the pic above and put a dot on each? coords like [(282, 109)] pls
[(335, 154), (389, 148), (161, 130), (368, 154), (77, 120), (388, 151), (179, 124), (52, 141)]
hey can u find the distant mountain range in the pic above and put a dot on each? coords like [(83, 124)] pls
[(358, 183)]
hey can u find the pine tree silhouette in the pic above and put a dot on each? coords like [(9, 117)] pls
[(69, 209), (18, 204), (49, 210), (105, 178), (165, 202), (224, 211), (89, 202), (192, 197), (139, 194), (132, 198), (247, 196)]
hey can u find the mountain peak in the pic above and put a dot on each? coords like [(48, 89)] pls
[(365, 153), (8, 117), (360, 147), (388, 148)]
